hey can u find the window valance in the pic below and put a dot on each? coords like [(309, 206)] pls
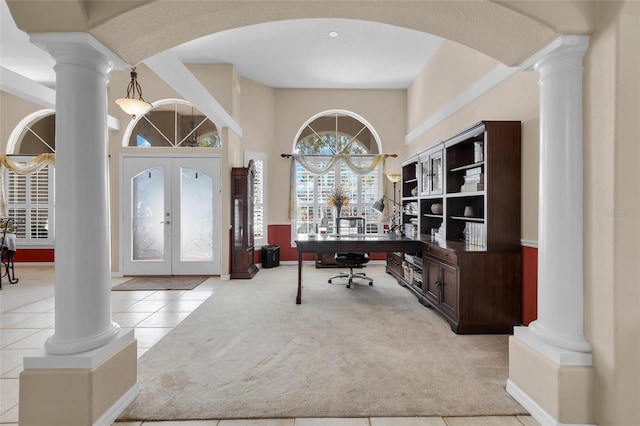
[(322, 164)]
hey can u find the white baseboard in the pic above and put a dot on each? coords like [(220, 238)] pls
[(116, 409)]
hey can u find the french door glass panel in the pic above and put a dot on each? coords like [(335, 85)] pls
[(196, 211), (172, 206), (148, 215)]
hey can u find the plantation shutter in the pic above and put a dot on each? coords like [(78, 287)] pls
[(258, 203), (30, 203)]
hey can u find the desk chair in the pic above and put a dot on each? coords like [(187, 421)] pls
[(346, 226)]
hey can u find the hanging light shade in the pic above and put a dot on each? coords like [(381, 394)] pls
[(130, 104)]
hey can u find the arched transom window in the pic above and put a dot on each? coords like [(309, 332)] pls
[(174, 123), (336, 151)]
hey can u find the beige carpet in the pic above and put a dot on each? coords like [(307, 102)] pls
[(250, 352), (161, 282)]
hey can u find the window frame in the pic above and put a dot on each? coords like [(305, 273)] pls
[(319, 201), (261, 178), (29, 205), (173, 139), (340, 149)]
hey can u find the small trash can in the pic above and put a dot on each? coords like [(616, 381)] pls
[(270, 256)]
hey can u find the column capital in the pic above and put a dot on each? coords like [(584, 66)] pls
[(78, 48), (566, 45), (566, 58)]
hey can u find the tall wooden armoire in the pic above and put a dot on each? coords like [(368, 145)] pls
[(242, 260)]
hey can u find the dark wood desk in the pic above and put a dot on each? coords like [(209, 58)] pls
[(353, 244)]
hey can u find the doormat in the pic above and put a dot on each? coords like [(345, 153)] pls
[(162, 282)]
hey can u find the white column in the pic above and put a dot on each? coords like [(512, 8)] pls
[(560, 254), (82, 265)]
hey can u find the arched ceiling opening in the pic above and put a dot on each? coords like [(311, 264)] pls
[(136, 30)]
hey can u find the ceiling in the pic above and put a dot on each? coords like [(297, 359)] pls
[(318, 53), (285, 54)]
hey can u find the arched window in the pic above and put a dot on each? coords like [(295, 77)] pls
[(29, 198), (351, 144), (173, 123)]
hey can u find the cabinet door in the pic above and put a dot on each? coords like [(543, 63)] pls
[(431, 280), (435, 162), (394, 263), (449, 290), (431, 174)]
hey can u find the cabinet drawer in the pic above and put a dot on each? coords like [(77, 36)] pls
[(394, 263), (395, 258), (448, 256)]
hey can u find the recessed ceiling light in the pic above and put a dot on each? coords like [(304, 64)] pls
[(333, 34)]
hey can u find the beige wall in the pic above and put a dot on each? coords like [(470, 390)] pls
[(450, 71), (612, 211), (258, 113), (13, 110), (514, 99)]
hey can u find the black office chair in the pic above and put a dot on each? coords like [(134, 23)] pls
[(349, 226)]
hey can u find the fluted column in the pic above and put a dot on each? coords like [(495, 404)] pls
[(560, 255), (82, 266)]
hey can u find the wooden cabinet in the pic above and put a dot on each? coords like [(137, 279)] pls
[(441, 287), (483, 185), (477, 292), (394, 264), (242, 249), (469, 224)]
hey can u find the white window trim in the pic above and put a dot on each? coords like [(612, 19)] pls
[(251, 155)]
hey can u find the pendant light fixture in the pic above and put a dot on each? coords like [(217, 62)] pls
[(192, 140), (130, 104)]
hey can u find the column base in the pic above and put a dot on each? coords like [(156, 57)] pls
[(77, 395), (555, 385)]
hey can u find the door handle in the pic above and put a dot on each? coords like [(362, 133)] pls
[(168, 222)]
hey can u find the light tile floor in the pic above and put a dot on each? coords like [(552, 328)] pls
[(27, 320)]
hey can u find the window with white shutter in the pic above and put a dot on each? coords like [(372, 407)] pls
[(30, 198), (30, 202), (260, 229), (326, 135)]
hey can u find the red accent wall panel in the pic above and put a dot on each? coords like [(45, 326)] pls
[(529, 284), (34, 255)]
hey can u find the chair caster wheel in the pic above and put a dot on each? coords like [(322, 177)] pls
[(348, 285), (329, 281), (371, 283)]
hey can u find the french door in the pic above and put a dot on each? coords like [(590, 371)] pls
[(171, 216)]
